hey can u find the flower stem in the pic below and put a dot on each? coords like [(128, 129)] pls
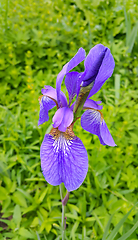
[(63, 213)]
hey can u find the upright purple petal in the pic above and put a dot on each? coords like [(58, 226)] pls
[(58, 117), (67, 120), (99, 65), (93, 63), (72, 82), (72, 106), (63, 99), (45, 105), (63, 159), (63, 118), (93, 122), (105, 71), (92, 104), (79, 57)]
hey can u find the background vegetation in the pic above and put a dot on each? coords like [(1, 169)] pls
[(37, 37)]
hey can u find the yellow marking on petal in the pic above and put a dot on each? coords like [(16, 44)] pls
[(101, 115), (68, 135), (40, 99)]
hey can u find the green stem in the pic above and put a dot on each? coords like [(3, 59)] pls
[(83, 94), (63, 212)]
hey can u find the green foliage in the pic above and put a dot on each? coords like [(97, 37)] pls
[(36, 39)]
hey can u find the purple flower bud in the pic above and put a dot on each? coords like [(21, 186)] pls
[(65, 200)]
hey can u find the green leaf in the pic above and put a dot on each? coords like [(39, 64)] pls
[(19, 199), (82, 205), (126, 235), (117, 178), (35, 222), (118, 226), (6, 203), (107, 228), (26, 194), (98, 221), (69, 215), (3, 193), (132, 38), (48, 227), (25, 233), (30, 208), (74, 228), (42, 195), (17, 215), (35, 179)]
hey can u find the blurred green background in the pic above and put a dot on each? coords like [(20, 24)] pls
[(37, 37)]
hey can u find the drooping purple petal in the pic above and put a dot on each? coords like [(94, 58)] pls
[(45, 105), (51, 92), (63, 118), (92, 121), (98, 102), (92, 104), (79, 57), (106, 135), (63, 159)]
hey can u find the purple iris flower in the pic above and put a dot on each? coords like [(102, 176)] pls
[(63, 155)]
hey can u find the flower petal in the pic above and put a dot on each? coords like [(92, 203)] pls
[(45, 105), (58, 117), (106, 135), (92, 104), (93, 63), (79, 57), (51, 92), (67, 120), (72, 82), (105, 71), (63, 159), (92, 121), (63, 118)]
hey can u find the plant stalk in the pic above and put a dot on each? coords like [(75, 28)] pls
[(63, 213), (83, 94)]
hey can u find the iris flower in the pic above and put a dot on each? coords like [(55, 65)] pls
[(63, 155)]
